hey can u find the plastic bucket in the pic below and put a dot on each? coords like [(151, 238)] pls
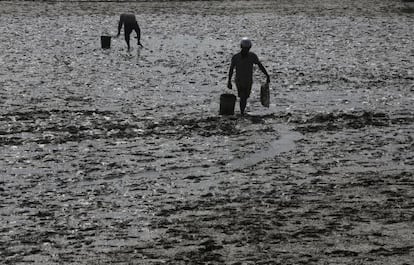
[(227, 102), (106, 42)]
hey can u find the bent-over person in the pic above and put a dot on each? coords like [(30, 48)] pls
[(130, 23)]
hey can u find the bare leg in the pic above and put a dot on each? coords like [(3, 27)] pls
[(127, 40), (243, 91), (128, 31), (138, 31), (243, 103)]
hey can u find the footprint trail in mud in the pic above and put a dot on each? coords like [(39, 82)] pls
[(285, 143)]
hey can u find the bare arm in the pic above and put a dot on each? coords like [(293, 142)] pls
[(229, 85), (261, 67), (138, 31), (121, 21)]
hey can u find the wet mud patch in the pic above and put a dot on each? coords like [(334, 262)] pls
[(204, 127), (61, 126), (329, 197), (350, 120), (307, 222), (116, 157)]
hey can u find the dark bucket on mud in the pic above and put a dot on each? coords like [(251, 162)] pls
[(106, 42), (227, 102)]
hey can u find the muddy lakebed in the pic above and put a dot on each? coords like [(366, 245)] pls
[(116, 157)]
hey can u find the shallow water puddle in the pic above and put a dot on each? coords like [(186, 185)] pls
[(284, 144)]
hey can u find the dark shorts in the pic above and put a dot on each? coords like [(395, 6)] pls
[(244, 91), (130, 27)]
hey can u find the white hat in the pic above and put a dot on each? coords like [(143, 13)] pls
[(246, 43)]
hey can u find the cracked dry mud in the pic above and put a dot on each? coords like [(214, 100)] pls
[(110, 157)]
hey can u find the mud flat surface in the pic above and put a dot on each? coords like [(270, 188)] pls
[(116, 157)]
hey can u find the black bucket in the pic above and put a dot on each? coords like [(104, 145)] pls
[(106, 42), (227, 102)]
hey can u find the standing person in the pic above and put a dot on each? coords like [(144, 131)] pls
[(130, 23), (243, 62)]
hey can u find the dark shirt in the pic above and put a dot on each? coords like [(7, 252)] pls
[(244, 68), (128, 19)]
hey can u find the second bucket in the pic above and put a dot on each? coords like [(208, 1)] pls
[(106, 42), (227, 102)]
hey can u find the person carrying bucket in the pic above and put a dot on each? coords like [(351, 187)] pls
[(243, 62), (130, 23)]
